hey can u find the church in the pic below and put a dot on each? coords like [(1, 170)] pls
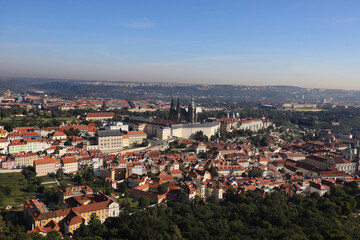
[(183, 115)]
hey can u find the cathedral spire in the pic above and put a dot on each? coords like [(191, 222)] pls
[(172, 103), (178, 105)]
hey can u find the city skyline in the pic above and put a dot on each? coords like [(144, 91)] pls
[(303, 44)]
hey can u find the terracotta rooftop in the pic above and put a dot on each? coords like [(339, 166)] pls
[(46, 161)]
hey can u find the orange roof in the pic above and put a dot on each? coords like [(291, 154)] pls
[(21, 129), (58, 134), (136, 132), (30, 134), (17, 143), (101, 114), (14, 134), (3, 130), (69, 160), (230, 167), (46, 161)]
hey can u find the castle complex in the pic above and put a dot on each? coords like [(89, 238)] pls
[(183, 115)]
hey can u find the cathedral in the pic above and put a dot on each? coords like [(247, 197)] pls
[(183, 115)]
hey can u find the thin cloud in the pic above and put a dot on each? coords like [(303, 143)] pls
[(139, 24), (345, 20), (106, 54), (46, 45), (148, 40), (217, 58)]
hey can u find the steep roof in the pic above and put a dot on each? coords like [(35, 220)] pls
[(59, 134)]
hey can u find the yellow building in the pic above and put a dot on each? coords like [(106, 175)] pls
[(17, 146), (136, 137), (3, 133), (79, 211)]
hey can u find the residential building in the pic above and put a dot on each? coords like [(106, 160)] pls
[(4, 144), (74, 191), (70, 165), (109, 139), (136, 137), (58, 136), (3, 132), (46, 166), (17, 145), (99, 116)]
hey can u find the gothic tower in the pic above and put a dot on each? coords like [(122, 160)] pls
[(178, 110), (173, 111), (192, 112)]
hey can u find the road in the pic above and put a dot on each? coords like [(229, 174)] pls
[(159, 145), (143, 209), (155, 145)]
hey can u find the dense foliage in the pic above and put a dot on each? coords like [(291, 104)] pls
[(239, 216), (246, 216)]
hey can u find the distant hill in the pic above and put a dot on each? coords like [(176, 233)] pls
[(202, 92)]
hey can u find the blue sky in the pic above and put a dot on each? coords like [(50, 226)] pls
[(302, 43)]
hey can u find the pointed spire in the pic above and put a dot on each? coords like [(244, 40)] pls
[(178, 105), (172, 103)]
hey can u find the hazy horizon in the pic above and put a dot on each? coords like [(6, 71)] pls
[(305, 44)]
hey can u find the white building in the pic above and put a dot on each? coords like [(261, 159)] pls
[(58, 136), (70, 165), (46, 166), (4, 144), (187, 130)]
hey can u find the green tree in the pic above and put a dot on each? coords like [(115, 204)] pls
[(145, 143), (29, 174), (60, 173), (213, 171), (144, 202), (122, 188), (200, 137), (163, 188), (253, 173)]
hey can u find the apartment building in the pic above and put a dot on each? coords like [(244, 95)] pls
[(136, 137), (109, 139), (46, 166), (70, 165), (99, 116), (25, 159), (4, 144), (74, 191)]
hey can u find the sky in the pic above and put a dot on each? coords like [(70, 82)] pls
[(313, 43)]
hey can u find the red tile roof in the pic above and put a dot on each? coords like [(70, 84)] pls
[(58, 134), (46, 161), (100, 114), (69, 160)]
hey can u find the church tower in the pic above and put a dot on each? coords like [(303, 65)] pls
[(178, 110), (173, 111), (192, 112)]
